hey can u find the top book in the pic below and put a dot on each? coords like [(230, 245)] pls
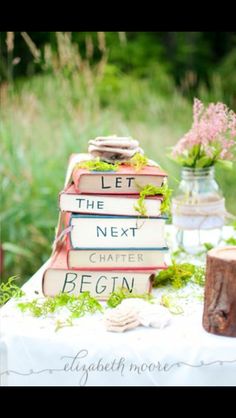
[(125, 180)]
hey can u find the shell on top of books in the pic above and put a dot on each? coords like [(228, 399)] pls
[(114, 148)]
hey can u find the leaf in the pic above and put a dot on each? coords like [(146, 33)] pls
[(208, 246), (204, 162), (231, 241), (16, 249), (194, 152), (225, 163)]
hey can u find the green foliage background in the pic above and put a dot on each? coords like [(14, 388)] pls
[(70, 87)]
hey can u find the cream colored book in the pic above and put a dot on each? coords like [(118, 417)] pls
[(58, 278), (117, 259), (114, 232), (71, 201)]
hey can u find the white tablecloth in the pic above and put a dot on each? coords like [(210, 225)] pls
[(32, 353)]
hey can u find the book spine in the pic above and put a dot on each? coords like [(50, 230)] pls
[(116, 232), (108, 205), (100, 284), (107, 259), (114, 183)]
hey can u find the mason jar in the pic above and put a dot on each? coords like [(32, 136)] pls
[(198, 209)]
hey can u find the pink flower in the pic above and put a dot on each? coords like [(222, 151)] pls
[(213, 132)]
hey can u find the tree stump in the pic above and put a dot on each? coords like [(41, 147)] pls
[(219, 316)]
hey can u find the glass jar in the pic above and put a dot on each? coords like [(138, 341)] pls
[(198, 209)]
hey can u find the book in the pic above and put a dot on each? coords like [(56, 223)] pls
[(107, 259), (58, 279), (110, 232), (71, 201), (123, 181)]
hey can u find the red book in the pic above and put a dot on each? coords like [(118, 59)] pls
[(58, 278), (123, 181)]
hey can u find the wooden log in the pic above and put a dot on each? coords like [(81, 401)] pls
[(219, 316)]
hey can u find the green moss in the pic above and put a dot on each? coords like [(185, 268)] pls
[(178, 275), (199, 275), (170, 303), (62, 324), (138, 161), (116, 297), (78, 306), (151, 190), (10, 290), (97, 165)]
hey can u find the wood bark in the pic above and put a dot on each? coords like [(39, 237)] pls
[(219, 316)]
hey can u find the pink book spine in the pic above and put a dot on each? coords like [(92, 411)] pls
[(122, 170)]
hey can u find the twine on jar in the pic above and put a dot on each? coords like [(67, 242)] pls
[(179, 208), (204, 211)]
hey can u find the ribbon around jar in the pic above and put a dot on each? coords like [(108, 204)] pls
[(204, 215)]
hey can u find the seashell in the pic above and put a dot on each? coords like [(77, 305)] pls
[(122, 328), (113, 148), (121, 319), (120, 143), (149, 315), (155, 316)]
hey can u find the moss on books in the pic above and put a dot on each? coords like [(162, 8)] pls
[(151, 190), (138, 161)]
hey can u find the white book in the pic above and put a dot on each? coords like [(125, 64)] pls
[(118, 259), (100, 284), (89, 231), (58, 279), (71, 201)]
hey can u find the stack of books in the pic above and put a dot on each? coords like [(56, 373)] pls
[(107, 244)]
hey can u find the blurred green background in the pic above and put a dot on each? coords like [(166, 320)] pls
[(60, 89)]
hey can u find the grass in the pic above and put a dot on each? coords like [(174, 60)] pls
[(46, 118)]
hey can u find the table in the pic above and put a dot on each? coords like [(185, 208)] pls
[(32, 353)]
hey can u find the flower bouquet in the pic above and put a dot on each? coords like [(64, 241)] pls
[(211, 138), (198, 205)]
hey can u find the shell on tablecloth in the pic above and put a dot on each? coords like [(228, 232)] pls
[(134, 312), (149, 314), (114, 148), (121, 319)]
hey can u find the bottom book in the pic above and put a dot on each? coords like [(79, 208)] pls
[(59, 279)]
